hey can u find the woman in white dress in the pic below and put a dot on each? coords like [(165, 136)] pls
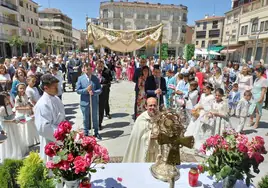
[(24, 113), (192, 97), (203, 106), (216, 80), (13, 147), (244, 80)]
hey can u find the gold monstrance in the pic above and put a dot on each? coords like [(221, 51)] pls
[(169, 131)]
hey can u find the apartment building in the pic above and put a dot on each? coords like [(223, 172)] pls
[(9, 25), (140, 15), (246, 31), (79, 39), (189, 34), (54, 19), (208, 31), (54, 41), (29, 26)]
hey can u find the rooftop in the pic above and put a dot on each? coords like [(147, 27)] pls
[(211, 18), (52, 11), (139, 3)]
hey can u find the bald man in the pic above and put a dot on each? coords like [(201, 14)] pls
[(142, 147)]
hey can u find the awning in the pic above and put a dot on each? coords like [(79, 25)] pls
[(216, 48), (231, 49)]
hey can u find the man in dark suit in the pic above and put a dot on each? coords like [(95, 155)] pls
[(105, 77), (88, 86), (74, 70), (155, 85), (136, 77)]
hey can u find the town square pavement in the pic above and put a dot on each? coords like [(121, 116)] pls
[(116, 131)]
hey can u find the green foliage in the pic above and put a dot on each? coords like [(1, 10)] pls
[(40, 45), (164, 51), (264, 182), (189, 51), (34, 174), (15, 41), (8, 172)]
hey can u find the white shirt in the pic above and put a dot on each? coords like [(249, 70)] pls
[(32, 94)]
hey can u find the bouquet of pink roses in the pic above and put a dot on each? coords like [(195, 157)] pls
[(233, 154), (73, 153)]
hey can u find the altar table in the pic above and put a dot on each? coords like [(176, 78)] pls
[(138, 175)]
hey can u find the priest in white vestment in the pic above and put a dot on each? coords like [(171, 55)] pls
[(49, 112), (142, 147)]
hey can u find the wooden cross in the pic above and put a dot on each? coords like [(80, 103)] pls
[(175, 142)]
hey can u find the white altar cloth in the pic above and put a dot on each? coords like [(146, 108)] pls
[(138, 175)]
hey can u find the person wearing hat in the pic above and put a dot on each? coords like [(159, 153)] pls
[(155, 85), (49, 112)]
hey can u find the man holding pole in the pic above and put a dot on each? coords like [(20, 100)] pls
[(88, 86), (155, 85)]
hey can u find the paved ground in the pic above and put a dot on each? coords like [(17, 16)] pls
[(116, 131)]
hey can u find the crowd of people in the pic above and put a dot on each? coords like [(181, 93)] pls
[(31, 91)]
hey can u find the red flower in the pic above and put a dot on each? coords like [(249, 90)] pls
[(119, 179), (83, 185), (70, 157), (64, 165), (89, 140), (88, 157), (242, 148), (63, 128), (258, 157), (51, 165), (80, 165), (200, 168), (51, 149), (97, 150)]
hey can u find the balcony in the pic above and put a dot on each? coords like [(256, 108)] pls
[(4, 36), (8, 21), (8, 5)]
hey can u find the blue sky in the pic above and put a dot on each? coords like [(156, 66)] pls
[(78, 9)]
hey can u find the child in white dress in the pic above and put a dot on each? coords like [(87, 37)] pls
[(31, 91), (13, 147), (242, 110), (25, 114), (191, 99)]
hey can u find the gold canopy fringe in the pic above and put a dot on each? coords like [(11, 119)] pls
[(124, 40)]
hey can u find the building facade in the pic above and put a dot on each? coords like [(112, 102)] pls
[(54, 19), (29, 25), (189, 34), (79, 39), (249, 22), (208, 31), (138, 15), (53, 41), (9, 25)]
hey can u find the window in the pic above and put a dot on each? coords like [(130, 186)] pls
[(258, 54), (184, 17), (215, 24), (183, 29), (23, 32), (204, 25), (22, 18), (30, 7), (242, 30), (197, 24), (21, 3), (201, 34), (203, 44), (254, 27), (32, 34), (27, 6), (249, 53), (32, 22), (196, 42), (105, 13), (35, 10), (36, 22), (246, 30), (214, 42), (262, 26), (37, 35), (266, 26), (105, 24), (214, 33), (227, 35)]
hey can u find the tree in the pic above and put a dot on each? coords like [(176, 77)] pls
[(40, 46), (188, 51), (15, 42), (164, 51)]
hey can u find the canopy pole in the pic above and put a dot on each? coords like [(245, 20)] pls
[(160, 60)]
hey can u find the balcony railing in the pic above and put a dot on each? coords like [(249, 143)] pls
[(8, 5), (8, 21)]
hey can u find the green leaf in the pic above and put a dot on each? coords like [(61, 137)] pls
[(56, 159), (225, 171)]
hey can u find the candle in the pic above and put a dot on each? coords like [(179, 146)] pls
[(193, 177)]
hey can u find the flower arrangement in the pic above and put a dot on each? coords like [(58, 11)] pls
[(233, 154), (73, 153)]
